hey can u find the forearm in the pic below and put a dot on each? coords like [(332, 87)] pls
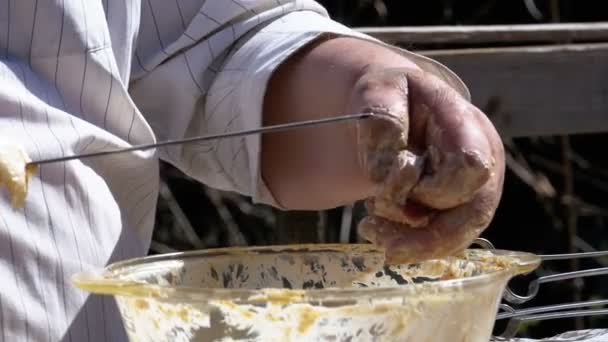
[(318, 168)]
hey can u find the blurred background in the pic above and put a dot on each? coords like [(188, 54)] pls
[(555, 188)]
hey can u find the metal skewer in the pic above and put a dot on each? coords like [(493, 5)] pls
[(267, 129)]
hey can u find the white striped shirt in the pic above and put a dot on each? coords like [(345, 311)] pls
[(81, 76)]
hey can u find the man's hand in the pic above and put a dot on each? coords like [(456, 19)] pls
[(436, 161), (430, 164)]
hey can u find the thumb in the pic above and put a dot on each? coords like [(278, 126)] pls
[(383, 92)]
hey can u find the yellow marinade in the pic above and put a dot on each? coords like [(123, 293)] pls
[(15, 172)]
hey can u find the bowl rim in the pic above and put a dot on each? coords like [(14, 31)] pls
[(101, 282)]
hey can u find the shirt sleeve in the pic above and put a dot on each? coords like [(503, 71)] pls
[(231, 91)]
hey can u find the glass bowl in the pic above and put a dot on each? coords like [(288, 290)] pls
[(320, 292)]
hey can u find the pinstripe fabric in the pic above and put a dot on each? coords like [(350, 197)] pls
[(84, 75)]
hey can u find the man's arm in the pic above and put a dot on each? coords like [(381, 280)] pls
[(427, 154)]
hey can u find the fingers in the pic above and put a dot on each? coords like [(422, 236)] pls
[(424, 115), (436, 197), (445, 232), (448, 233), (410, 215), (459, 157)]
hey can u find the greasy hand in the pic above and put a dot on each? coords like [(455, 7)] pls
[(436, 161)]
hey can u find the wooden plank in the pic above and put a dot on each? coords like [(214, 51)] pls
[(533, 91), (492, 34)]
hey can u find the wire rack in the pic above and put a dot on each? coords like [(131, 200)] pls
[(515, 317)]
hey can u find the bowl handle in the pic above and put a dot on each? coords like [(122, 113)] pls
[(524, 262)]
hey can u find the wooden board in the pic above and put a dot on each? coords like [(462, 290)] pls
[(530, 91), (492, 34)]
